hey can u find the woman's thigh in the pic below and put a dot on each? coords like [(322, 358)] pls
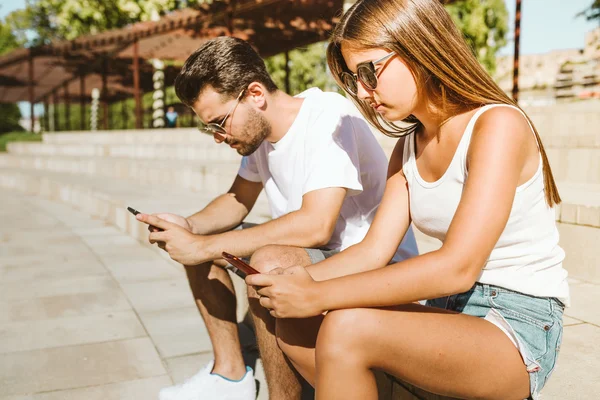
[(440, 351)]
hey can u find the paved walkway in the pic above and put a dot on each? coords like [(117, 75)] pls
[(86, 312)]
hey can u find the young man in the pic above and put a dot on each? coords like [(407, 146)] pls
[(324, 175)]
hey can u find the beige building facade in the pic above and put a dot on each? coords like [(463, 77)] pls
[(559, 75)]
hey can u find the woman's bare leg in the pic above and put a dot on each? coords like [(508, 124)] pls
[(442, 352)]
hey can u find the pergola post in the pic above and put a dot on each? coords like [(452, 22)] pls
[(56, 116), (515, 90), (82, 101), (104, 93), (46, 115), (124, 112), (287, 72), (67, 107), (136, 86), (31, 91)]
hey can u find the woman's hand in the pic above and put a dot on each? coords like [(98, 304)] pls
[(289, 293)]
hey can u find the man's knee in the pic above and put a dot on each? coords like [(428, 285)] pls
[(269, 257)]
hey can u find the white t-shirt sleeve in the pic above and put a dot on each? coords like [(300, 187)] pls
[(249, 169), (332, 158)]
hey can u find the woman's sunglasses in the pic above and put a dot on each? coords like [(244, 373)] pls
[(365, 72)]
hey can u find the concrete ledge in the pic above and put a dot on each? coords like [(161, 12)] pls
[(188, 175), (107, 199), (203, 152)]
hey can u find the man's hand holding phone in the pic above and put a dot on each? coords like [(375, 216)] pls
[(181, 244), (174, 218)]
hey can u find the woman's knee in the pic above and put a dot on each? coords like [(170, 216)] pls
[(343, 333)]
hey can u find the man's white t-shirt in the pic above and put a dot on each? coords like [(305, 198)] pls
[(328, 145)]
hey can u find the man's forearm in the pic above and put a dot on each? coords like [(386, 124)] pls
[(294, 229), (220, 215)]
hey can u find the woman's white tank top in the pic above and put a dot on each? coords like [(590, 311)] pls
[(527, 257)]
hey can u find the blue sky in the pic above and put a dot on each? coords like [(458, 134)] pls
[(546, 24), (549, 25)]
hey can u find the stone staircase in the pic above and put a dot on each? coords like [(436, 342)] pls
[(181, 170)]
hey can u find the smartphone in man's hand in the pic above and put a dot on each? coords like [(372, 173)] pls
[(133, 211), (151, 228)]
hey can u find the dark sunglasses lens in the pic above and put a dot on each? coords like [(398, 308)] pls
[(211, 129), (367, 76), (349, 83)]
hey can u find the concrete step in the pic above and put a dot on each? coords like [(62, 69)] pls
[(577, 165), (207, 152), (107, 198), (580, 205), (130, 136), (569, 162), (561, 120), (189, 175), (575, 140)]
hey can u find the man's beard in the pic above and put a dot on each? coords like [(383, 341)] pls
[(256, 130)]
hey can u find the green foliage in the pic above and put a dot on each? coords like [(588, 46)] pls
[(9, 118), (308, 68), (484, 24), (592, 12), (8, 41), (68, 19), (18, 137)]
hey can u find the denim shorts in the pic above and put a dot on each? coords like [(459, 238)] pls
[(533, 324)]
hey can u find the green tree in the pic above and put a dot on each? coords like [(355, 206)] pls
[(484, 24), (8, 41), (592, 12), (308, 68), (9, 118), (9, 113), (68, 19)]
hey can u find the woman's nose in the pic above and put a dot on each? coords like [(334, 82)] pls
[(362, 92)]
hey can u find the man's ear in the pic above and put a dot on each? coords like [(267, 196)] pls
[(256, 93)]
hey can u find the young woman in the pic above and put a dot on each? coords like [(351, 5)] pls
[(470, 170)]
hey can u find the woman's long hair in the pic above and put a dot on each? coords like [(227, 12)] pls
[(447, 73)]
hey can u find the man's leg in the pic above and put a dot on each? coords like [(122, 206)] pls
[(215, 297), (282, 380)]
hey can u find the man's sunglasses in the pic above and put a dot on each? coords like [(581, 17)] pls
[(219, 129), (365, 72)]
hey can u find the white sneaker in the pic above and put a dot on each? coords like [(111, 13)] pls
[(208, 386)]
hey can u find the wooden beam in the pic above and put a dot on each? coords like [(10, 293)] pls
[(31, 91), (55, 116), (136, 86), (104, 93), (82, 101), (515, 90), (287, 72), (67, 107), (46, 115)]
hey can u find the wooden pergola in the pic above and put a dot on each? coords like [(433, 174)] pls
[(115, 61)]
